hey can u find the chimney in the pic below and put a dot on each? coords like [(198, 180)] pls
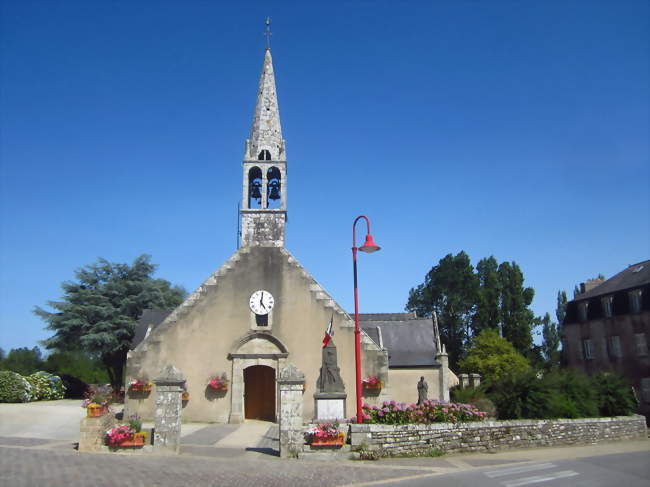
[(590, 284)]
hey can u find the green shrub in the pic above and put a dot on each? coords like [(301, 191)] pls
[(614, 395), (522, 396), (560, 406), (14, 387), (573, 395)]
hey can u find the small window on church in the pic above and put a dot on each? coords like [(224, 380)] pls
[(264, 155), (274, 188), (255, 188)]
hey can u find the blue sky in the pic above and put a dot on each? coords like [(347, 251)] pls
[(513, 129)]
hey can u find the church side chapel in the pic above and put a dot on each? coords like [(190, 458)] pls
[(261, 311)]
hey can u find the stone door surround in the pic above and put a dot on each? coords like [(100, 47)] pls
[(254, 348)]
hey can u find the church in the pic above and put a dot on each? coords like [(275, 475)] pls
[(261, 310)]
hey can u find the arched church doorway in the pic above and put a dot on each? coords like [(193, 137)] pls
[(259, 392)]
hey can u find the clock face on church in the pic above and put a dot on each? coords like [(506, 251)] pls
[(261, 302)]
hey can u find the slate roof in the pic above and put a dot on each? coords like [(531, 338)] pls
[(409, 340), (386, 316), (149, 317), (635, 275)]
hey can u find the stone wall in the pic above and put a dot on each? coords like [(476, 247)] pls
[(496, 435), (93, 432)]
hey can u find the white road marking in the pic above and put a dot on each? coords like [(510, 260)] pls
[(541, 478), (515, 470)]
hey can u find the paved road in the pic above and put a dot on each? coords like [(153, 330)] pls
[(51, 463), (623, 469)]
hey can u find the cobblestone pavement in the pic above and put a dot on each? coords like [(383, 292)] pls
[(48, 467)]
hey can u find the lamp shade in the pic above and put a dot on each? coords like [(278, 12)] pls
[(369, 246)]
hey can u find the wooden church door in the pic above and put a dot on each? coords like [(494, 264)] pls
[(259, 393)]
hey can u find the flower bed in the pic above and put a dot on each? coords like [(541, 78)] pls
[(325, 434), (392, 412)]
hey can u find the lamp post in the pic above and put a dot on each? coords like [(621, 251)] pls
[(369, 247)]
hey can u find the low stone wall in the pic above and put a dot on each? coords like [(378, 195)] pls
[(496, 435)]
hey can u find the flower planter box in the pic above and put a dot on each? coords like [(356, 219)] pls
[(337, 440), (142, 388), (376, 385), (96, 410), (185, 396), (137, 440)]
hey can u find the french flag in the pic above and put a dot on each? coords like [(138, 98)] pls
[(329, 333)]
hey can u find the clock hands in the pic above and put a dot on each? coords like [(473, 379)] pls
[(262, 300)]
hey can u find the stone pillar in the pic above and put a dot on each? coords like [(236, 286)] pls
[(464, 380), (169, 406), (475, 380), (443, 358), (291, 383), (93, 432)]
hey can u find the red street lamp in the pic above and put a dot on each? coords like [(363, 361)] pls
[(369, 247)]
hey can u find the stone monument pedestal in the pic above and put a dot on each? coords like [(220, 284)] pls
[(329, 406)]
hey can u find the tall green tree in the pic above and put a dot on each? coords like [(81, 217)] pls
[(550, 341), (450, 290), (98, 311), (24, 360), (517, 320), (488, 303), (560, 310)]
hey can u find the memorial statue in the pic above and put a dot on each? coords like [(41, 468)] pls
[(423, 391), (329, 379)]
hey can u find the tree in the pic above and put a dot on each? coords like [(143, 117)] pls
[(488, 312), (98, 311), (2, 355), (560, 311), (550, 341), (24, 361), (76, 364), (517, 319), (493, 357), (450, 290)]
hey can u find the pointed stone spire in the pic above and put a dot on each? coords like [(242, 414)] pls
[(266, 132)]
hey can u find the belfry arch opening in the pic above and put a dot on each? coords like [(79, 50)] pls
[(255, 187), (274, 188), (264, 155)]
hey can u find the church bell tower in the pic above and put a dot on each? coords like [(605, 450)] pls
[(264, 198)]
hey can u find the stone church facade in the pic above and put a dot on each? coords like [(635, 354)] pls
[(261, 310)]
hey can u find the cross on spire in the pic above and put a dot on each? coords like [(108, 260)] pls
[(268, 32)]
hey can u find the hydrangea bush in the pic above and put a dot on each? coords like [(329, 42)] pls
[(14, 387), (430, 411), (40, 386)]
